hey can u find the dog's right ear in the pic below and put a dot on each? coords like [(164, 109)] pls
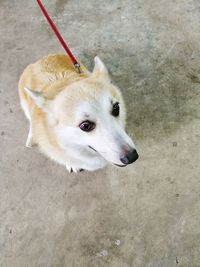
[(99, 66), (37, 97), (42, 102)]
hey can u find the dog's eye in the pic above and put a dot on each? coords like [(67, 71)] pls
[(87, 126), (115, 110)]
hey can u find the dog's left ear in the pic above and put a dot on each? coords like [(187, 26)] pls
[(99, 66), (37, 97)]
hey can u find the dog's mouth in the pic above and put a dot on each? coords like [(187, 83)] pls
[(118, 165), (92, 148)]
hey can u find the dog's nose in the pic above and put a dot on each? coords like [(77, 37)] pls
[(130, 157)]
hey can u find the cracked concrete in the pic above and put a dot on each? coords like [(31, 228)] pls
[(145, 215)]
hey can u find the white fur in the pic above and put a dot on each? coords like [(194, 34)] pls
[(29, 142)]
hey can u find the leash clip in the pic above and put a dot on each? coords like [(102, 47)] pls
[(77, 67)]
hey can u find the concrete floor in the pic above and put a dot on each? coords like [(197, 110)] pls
[(145, 215)]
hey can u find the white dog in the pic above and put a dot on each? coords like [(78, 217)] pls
[(76, 119)]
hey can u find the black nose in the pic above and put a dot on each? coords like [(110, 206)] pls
[(130, 157)]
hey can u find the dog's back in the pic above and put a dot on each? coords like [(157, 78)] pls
[(48, 76)]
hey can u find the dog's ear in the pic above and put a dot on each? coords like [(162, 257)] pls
[(42, 103), (37, 97), (99, 66)]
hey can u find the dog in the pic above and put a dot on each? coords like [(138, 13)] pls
[(77, 120)]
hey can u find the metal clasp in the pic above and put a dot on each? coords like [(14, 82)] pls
[(77, 67)]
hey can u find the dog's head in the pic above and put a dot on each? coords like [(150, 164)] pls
[(90, 114)]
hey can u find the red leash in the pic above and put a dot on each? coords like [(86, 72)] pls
[(53, 26)]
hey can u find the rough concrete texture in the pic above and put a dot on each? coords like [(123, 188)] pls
[(145, 215)]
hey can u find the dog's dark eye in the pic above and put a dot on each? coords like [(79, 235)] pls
[(87, 126), (115, 110)]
